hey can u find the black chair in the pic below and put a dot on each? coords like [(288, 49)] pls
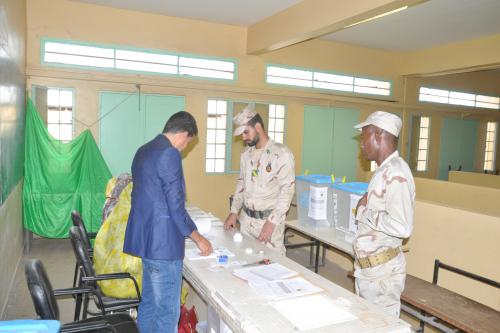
[(44, 300), (87, 236), (89, 279)]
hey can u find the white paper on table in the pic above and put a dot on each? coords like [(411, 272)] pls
[(312, 312), (194, 253), (203, 224), (284, 289), (264, 273), (353, 227), (317, 202)]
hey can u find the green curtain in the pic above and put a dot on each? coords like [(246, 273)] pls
[(61, 177)]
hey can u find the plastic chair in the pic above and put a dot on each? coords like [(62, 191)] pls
[(89, 279), (44, 301)]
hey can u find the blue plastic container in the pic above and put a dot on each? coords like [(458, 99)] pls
[(30, 326), (314, 210), (345, 197)]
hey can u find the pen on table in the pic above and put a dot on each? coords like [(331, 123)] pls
[(260, 262)]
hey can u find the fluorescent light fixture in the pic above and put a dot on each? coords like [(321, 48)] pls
[(377, 16)]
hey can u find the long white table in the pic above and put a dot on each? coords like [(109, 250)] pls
[(243, 310), (329, 236)]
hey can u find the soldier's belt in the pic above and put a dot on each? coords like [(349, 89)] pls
[(257, 214), (379, 258)]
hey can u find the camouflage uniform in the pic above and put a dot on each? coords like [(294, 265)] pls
[(266, 182), (385, 221)]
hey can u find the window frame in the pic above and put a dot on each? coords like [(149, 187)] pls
[(495, 142), (427, 148), (115, 48), (73, 113), (229, 131), (476, 95), (332, 91)]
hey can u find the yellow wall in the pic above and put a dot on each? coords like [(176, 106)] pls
[(473, 178), (459, 238)]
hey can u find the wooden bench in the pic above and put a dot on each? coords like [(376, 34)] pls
[(442, 308)]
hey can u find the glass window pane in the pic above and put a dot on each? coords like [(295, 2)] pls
[(165, 59), (271, 136), (280, 111), (210, 151), (290, 82), (66, 132), (289, 73), (79, 60), (66, 117), (78, 49), (424, 122), (221, 136), (210, 136), (54, 130), (421, 166), (221, 121), (271, 124), (422, 144), (280, 125), (207, 64), (206, 73), (278, 137), (272, 110), (422, 155), (211, 121), (52, 117), (53, 97), (423, 133), (212, 106), (220, 151), (221, 107), (66, 98), (146, 67), (210, 165), (219, 165)]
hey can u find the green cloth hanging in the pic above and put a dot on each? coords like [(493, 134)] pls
[(61, 177)]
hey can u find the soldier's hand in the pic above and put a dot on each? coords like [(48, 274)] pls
[(202, 243), (266, 232), (230, 221), (362, 202)]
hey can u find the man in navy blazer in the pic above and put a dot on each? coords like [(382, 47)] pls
[(158, 223)]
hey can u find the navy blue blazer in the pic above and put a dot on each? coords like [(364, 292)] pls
[(158, 222)]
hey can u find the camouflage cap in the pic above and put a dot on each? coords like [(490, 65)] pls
[(241, 119), (387, 121)]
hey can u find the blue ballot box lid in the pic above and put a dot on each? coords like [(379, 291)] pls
[(31, 326), (352, 187), (316, 179)]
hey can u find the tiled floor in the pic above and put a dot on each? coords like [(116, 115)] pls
[(58, 259)]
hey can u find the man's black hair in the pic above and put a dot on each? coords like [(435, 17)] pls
[(257, 119), (181, 122)]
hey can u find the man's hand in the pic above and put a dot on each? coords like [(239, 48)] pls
[(362, 202), (266, 232), (230, 221), (202, 243)]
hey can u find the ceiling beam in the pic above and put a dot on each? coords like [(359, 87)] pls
[(312, 19)]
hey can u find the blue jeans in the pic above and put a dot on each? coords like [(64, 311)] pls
[(159, 309)]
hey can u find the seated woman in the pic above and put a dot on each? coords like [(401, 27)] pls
[(108, 247)]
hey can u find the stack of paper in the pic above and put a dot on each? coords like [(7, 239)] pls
[(264, 273), (312, 312), (283, 289)]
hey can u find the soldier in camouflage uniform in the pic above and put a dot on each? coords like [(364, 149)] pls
[(384, 215), (265, 186)]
